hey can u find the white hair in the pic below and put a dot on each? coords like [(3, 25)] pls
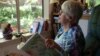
[(72, 8)]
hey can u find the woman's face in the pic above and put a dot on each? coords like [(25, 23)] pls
[(63, 19)]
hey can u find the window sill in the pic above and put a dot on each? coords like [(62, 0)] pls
[(5, 43), (3, 40)]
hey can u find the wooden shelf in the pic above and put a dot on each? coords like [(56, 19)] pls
[(86, 16), (55, 14)]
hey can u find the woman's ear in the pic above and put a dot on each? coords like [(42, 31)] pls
[(70, 18)]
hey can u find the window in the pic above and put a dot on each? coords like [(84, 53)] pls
[(92, 3), (29, 10), (7, 14)]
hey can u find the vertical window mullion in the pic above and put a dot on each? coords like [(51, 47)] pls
[(18, 15)]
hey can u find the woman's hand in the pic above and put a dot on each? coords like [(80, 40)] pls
[(50, 43)]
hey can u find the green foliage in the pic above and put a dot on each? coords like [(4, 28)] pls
[(26, 15), (92, 3), (4, 15), (37, 12), (3, 19)]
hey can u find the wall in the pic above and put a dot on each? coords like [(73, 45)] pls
[(9, 47), (84, 26), (46, 9)]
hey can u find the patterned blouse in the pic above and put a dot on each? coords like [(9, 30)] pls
[(71, 41)]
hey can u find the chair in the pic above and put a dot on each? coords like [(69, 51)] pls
[(93, 35)]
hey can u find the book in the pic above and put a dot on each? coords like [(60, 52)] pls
[(34, 27), (37, 44), (40, 27)]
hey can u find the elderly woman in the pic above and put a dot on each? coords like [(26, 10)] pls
[(70, 37)]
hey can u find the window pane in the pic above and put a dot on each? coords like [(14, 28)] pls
[(7, 15), (30, 11)]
